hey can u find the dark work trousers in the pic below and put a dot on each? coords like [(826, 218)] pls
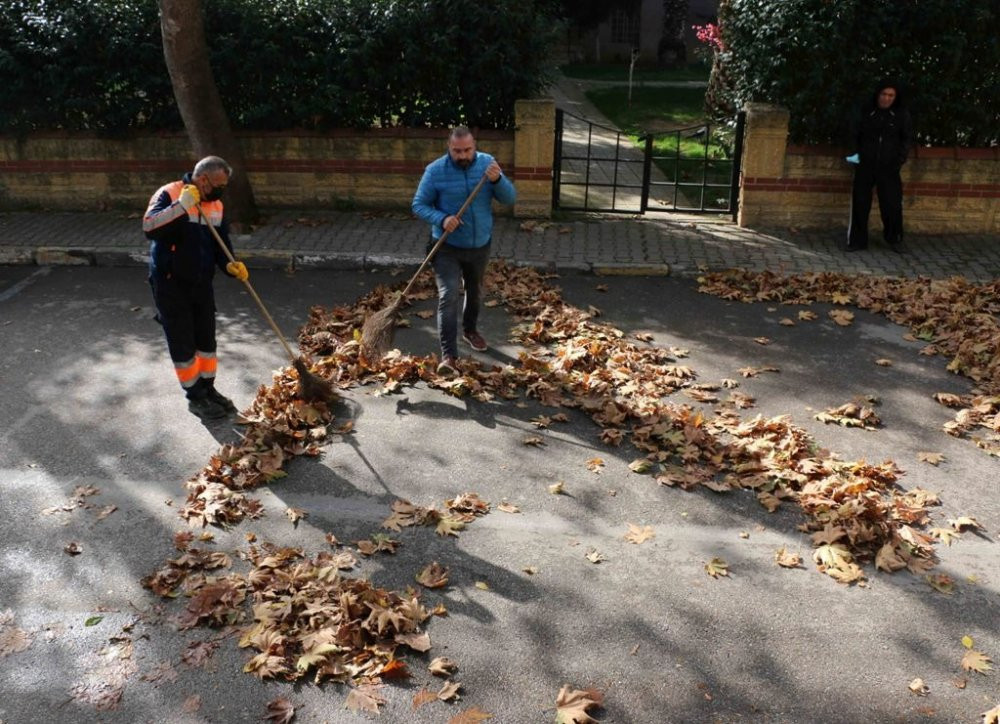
[(886, 181), (452, 265), (187, 312)]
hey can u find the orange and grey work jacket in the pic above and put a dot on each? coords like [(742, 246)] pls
[(181, 246)]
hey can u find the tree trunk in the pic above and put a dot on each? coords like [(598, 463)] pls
[(185, 50)]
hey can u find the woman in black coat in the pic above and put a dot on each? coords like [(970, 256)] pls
[(881, 139)]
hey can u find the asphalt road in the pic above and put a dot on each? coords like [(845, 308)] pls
[(89, 398)]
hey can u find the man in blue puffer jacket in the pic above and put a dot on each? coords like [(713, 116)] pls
[(446, 184)]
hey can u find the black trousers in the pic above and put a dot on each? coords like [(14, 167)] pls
[(889, 186), (187, 312)]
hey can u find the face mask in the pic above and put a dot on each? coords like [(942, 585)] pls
[(214, 195)]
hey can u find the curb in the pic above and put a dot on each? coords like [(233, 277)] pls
[(632, 270)]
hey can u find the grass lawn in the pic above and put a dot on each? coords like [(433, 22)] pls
[(680, 155), (604, 71)]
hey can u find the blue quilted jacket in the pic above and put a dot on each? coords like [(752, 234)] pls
[(444, 188)]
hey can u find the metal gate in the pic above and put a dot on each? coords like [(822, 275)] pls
[(601, 169)]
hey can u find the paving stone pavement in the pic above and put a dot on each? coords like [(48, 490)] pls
[(652, 244)]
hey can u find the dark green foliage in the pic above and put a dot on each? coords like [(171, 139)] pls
[(822, 58), (279, 64)]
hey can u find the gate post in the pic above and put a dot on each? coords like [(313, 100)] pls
[(763, 158), (534, 142)]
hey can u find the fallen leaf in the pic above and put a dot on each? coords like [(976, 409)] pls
[(786, 322), (557, 488), (595, 556), (416, 641), (364, 698), (807, 316), (449, 691), (717, 567), (964, 522), (424, 696), (640, 466), (842, 317), (977, 661), (967, 642), (601, 287), (93, 620), (530, 570), (470, 716), (191, 704), (73, 548), (295, 515), (508, 507), (762, 340), (534, 441), (433, 575), (992, 716), (482, 585), (945, 535), (639, 535), (882, 362), (442, 666), (930, 457), (594, 465), (918, 687), (787, 559), (573, 705)]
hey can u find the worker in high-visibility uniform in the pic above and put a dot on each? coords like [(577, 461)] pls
[(182, 260)]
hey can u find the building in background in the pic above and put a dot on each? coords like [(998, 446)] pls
[(661, 30)]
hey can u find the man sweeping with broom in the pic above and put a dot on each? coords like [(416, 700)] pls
[(446, 185)]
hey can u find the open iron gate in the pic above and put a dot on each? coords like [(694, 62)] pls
[(694, 170)]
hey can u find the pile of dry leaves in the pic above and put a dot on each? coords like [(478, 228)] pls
[(308, 618)]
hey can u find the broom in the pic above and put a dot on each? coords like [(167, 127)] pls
[(378, 329), (311, 388)]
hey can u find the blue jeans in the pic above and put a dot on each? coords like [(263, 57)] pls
[(452, 265)]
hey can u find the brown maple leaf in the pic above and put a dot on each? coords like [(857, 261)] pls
[(470, 716), (638, 535), (717, 567), (787, 559), (364, 698), (573, 705), (442, 666), (433, 575), (977, 661), (449, 691), (424, 696)]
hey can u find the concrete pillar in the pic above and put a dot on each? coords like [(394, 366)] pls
[(534, 147)]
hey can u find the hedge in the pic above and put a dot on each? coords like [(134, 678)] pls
[(821, 59), (279, 64)]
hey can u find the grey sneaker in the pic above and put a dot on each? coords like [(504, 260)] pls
[(476, 341), (207, 409), (448, 367)]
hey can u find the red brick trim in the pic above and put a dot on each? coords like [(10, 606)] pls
[(915, 188), (950, 152), (276, 165)]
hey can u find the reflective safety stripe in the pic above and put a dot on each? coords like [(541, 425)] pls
[(207, 364), (202, 366), (187, 372)]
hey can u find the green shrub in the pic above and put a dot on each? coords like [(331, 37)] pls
[(821, 59), (279, 64)]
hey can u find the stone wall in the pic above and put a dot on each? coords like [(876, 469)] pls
[(945, 190), (377, 168)]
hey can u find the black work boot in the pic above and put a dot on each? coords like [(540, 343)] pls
[(218, 398), (206, 408)]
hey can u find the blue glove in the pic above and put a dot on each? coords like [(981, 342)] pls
[(853, 158)]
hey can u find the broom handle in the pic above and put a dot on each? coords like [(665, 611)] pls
[(440, 241), (246, 282)]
